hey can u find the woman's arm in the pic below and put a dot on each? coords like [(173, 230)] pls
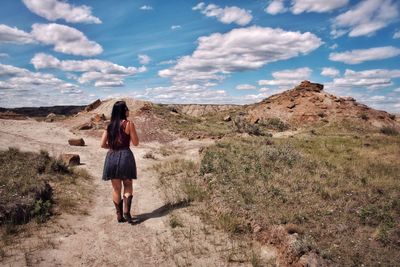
[(103, 143), (133, 134)]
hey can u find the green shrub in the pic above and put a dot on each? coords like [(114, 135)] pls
[(389, 130)]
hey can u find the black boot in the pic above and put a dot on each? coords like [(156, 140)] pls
[(127, 208), (118, 207)]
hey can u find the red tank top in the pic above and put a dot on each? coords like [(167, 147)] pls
[(124, 138)]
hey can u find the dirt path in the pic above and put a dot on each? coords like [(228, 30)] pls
[(96, 239)]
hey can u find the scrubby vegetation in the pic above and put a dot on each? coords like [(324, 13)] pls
[(339, 192), (213, 124), (30, 185)]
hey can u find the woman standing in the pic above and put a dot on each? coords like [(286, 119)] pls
[(119, 164)]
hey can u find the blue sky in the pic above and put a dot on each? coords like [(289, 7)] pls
[(55, 52)]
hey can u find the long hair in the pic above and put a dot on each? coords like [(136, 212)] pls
[(114, 130)]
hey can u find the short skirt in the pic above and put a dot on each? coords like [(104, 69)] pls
[(119, 164)]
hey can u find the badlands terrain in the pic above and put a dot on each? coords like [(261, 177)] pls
[(303, 178)]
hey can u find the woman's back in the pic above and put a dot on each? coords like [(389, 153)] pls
[(124, 140)]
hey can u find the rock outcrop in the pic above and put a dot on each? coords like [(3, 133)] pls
[(308, 103)]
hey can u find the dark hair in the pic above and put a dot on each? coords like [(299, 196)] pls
[(114, 130)]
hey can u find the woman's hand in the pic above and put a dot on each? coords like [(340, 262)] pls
[(104, 138)]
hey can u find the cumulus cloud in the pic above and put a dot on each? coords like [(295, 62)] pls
[(365, 18), (286, 78), (361, 55), (330, 72), (396, 35), (146, 7), (144, 59), (226, 15), (14, 35), (20, 78), (300, 6), (197, 94), (275, 7), (65, 39), (241, 49), (102, 73), (369, 79), (56, 9), (245, 87), (176, 27)]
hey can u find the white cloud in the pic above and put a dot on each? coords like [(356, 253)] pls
[(144, 59), (397, 90), (226, 15), (300, 6), (276, 7), (369, 79), (176, 27), (330, 72), (396, 35), (193, 94), (287, 78), (361, 55), (264, 89), (20, 78), (4, 55), (366, 18), (241, 49), (146, 7), (14, 35), (245, 87), (65, 39), (6, 85), (334, 46), (55, 9), (102, 73), (167, 62)]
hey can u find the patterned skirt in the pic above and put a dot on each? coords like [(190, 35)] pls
[(119, 164)]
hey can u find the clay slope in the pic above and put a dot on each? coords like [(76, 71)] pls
[(307, 104), (198, 110)]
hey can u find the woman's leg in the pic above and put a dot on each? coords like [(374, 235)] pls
[(128, 189), (127, 199), (117, 186), (116, 196)]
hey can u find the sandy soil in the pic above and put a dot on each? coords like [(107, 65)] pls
[(97, 239)]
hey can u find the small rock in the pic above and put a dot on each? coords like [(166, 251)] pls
[(71, 159), (291, 105), (227, 118), (76, 142), (98, 118), (86, 126)]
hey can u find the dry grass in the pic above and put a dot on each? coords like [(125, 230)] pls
[(340, 193), (36, 186), (210, 125)]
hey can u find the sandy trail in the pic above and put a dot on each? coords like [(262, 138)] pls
[(96, 239)]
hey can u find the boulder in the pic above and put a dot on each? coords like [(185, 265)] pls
[(76, 142), (227, 118), (50, 117), (86, 126), (93, 105), (71, 159), (98, 118)]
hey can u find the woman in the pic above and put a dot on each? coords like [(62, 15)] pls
[(119, 164)]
